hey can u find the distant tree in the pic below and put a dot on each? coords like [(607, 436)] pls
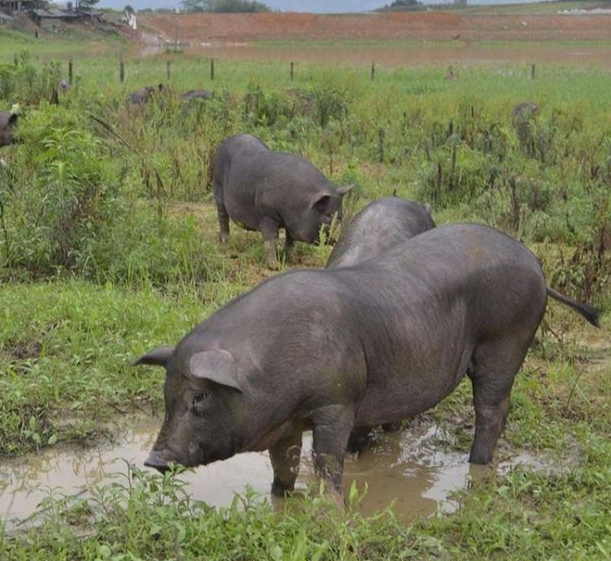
[(223, 6), (402, 6), (129, 9), (85, 3)]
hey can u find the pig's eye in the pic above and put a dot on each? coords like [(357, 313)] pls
[(200, 398)]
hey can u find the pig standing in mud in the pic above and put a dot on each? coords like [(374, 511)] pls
[(8, 126), (336, 349), (264, 190)]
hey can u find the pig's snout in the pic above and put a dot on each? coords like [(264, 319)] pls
[(157, 461)]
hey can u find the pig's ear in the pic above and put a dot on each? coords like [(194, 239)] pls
[(321, 202), (12, 120), (217, 366), (428, 208), (344, 189), (158, 357)]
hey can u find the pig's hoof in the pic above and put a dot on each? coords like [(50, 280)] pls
[(223, 238)]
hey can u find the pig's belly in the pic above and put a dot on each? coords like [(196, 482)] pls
[(244, 217), (405, 398)]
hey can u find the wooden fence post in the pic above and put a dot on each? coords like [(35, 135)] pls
[(533, 71), (167, 70), (70, 65), (373, 70), (292, 70), (212, 69), (121, 71)]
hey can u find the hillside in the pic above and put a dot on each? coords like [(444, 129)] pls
[(431, 26)]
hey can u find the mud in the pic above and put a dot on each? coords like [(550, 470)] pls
[(405, 469)]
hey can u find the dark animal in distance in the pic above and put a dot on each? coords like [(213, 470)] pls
[(8, 127), (336, 349), (524, 110), (263, 190), (522, 118), (197, 94), (143, 95)]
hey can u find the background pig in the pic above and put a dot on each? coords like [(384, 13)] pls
[(196, 94), (379, 226), (264, 190), (334, 349), (523, 116), (144, 95), (8, 127)]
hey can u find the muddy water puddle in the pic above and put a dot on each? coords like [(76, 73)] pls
[(403, 468)]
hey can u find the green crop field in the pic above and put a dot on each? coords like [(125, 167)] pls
[(108, 247)]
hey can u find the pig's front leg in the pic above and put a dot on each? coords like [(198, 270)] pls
[(331, 428), (285, 456), (270, 230)]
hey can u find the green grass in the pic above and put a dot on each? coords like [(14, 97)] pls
[(76, 42), (99, 263), (533, 8)]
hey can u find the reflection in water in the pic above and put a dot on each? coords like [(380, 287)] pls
[(402, 468)]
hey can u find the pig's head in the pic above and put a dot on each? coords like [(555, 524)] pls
[(205, 413), (8, 126), (324, 207)]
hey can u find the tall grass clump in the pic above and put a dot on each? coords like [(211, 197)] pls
[(66, 208), (26, 84)]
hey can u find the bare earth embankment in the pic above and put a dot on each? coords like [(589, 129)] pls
[(244, 28)]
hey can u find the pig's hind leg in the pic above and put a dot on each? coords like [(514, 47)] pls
[(492, 370), (270, 230)]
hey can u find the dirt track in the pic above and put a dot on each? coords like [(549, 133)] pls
[(438, 26)]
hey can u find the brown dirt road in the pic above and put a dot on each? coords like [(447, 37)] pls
[(437, 26)]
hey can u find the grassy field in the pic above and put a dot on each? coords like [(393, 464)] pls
[(106, 251), (535, 8)]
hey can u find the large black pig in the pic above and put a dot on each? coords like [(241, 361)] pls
[(336, 349)]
